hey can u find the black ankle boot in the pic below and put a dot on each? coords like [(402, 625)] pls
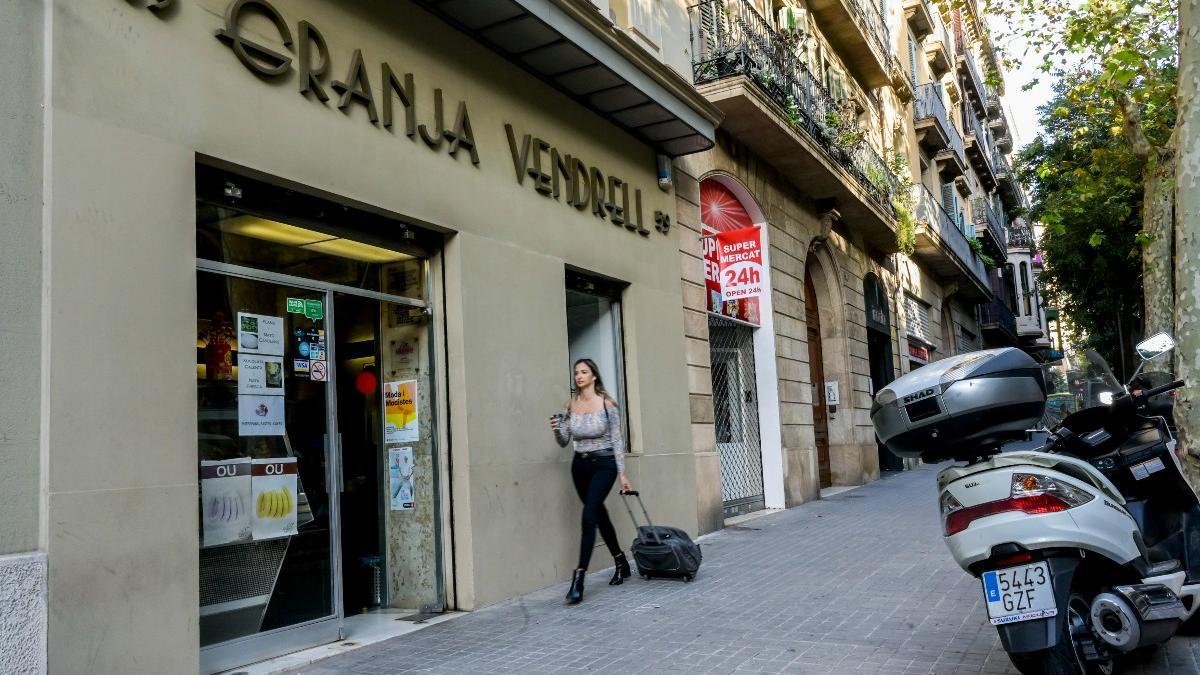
[(621, 573), (575, 593)]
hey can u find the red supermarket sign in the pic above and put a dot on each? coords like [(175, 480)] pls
[(739, 263)]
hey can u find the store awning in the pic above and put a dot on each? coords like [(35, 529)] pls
[(570, 45)]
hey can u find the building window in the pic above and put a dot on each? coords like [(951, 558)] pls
[(1025, 288), (594, 329)]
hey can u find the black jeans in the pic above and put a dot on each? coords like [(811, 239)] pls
[(594, 478)]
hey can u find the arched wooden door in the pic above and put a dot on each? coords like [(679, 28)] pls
[(816, 369)]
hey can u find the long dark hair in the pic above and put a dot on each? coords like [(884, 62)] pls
[(599, 383)]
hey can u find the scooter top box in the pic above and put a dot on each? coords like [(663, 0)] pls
[(962, 407)]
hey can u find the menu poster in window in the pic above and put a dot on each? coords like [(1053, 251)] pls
[(260, 334), (225, 499), (261, 375), (401, 468), (400, 412), (261, 415), (274, 493)]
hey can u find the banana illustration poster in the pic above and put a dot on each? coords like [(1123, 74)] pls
[(400, 412), (274, 497), (225, 500)]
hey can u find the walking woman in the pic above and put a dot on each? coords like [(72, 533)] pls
[(593, 422)]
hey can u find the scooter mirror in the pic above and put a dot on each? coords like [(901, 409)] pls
[(1155, 346)]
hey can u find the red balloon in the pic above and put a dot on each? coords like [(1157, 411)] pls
[(366, 382)]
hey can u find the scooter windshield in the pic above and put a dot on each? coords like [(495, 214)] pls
[(1078, 382)]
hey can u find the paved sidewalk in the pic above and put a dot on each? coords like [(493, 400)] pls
[(857, 583)]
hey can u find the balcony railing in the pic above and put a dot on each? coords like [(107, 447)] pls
[(975, 85), (952, 230), (871, 19), (929, 104), (995, 315), (986, 216), (729, 38)]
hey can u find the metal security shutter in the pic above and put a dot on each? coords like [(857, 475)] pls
[(967, 341), (735, 404), (917, 314)]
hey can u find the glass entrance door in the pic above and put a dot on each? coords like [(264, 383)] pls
[(267, 554)]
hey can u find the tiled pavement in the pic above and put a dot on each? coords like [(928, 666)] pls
[(856, 583)]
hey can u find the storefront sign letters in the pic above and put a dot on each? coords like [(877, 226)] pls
[(306, 52), (918, 353), (556, 174), (355, 86)]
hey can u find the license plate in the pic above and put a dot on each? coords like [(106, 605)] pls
[(1019, 594)]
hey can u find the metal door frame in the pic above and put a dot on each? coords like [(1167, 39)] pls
[(741, 358), (277, 642)]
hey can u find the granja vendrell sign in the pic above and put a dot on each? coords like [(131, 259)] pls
[(554, 175)]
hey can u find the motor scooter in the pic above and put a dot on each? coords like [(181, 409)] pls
[(1087, 548)]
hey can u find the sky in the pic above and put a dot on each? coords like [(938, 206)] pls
[(1021, 106)]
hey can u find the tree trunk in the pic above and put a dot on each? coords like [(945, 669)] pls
[(1158, 273), (1187, 241)]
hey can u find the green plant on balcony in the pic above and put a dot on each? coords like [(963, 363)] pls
[(842, 129), (977, 249), (904, 204)]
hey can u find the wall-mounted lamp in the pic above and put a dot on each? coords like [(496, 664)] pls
[(664, 173)]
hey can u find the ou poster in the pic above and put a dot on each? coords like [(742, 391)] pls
[(274, 494), (261, 415), (400, 412), (225, 500), (401, 468), (260, 334), (739, 261)]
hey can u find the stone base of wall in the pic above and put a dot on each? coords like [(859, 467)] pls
[(23, 613)]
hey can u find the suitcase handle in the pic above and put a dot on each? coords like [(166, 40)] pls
[(625, 494)]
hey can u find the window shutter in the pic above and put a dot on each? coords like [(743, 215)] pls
[(949, 199), (912, 58)]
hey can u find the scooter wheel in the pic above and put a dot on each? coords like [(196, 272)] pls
[(1065, 658)]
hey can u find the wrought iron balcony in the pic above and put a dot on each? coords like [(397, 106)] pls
[(974, 86), (938, 47), (942, 246), (935, 132), (992, 102), (857, 32), (990, 228), (1006, 181), (997, 320), (979, 149), (774, 105)]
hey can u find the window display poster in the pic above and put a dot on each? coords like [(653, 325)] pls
[(274, 494), (400, 412), (400, 472), (225, 500), (261, 375), (261, 415), (260, 334)]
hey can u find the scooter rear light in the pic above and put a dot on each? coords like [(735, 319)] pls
[(1029, 493)]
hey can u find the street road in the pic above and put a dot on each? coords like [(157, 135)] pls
[(856, 583)]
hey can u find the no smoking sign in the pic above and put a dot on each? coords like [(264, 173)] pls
[(318, 371)]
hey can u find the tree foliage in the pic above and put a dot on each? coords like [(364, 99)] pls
[(1125, 53), (1088, 196)]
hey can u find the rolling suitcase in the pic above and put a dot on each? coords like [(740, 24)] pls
[(661, 551)]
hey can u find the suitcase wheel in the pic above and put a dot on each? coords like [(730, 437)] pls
[(688, 578)]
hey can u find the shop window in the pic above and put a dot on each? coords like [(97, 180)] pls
[(594, 329)]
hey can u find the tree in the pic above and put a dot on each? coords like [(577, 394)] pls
[(1127, 51), (1087, 192), (1187, 247)]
